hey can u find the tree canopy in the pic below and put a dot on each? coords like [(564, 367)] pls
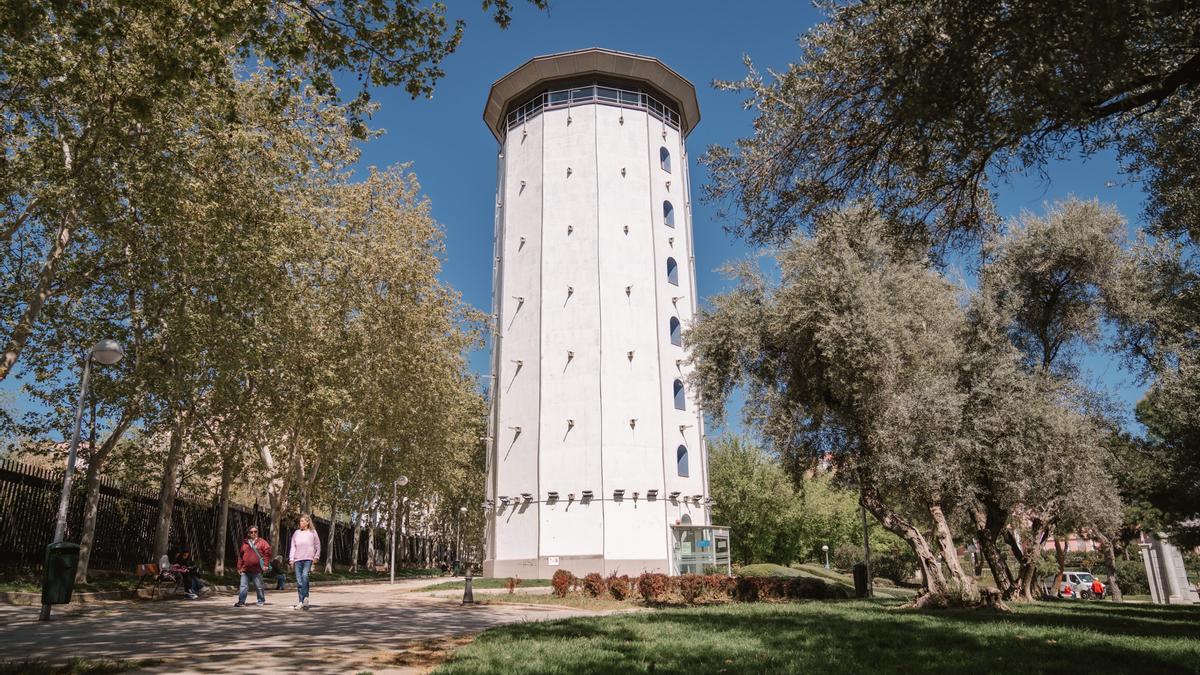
[(921, 107)]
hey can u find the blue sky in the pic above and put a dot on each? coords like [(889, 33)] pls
[(452, 151)]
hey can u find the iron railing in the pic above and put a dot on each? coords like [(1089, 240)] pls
[(593, 93)]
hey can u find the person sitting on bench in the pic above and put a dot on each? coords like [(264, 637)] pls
[(186, 569)]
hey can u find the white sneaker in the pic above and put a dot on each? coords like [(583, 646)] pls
[(297, 606), (306, 603)]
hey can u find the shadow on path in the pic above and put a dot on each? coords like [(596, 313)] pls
[(210, 635)]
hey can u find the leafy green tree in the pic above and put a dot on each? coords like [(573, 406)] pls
[(853, 357), (1170, 411), (89, 88), (754, 496), (921, 106), (1038, 304)]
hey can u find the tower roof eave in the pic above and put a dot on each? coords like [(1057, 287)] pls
[(594, 61)]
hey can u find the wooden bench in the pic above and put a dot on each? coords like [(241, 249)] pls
[(154, 572)]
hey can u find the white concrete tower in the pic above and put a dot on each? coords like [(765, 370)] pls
[(596, 447)]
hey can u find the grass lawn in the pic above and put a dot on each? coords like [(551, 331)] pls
[(847, 637), (486, 583)]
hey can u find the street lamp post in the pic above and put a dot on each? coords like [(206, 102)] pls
[(825, 550), (468, 592), (106, 353), (399, 483)]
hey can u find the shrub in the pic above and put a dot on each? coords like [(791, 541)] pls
[(653, 586), (808, 588), (767, 570), (1131, 576), (753, 589), (594, 585), (511, 584), (756, 589), (691, 587), (618, 586), (562, 581), (843, 556), (719, 586), (899, 564)]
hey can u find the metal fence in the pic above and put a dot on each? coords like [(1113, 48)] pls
[(126, 521)]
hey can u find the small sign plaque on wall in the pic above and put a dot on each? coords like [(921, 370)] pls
[(552, 561)]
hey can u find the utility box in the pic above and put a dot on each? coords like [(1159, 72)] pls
[(860, 580), (59, 579)]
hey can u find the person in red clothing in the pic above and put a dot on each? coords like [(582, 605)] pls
[(1097, 589), (252, 560)]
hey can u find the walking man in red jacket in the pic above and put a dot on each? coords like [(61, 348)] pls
[(252, 560)]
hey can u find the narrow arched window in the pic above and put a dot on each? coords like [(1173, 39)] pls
[(672, 271), (664, 159), (681, 461), (668, 214), (676, 332), (679, 403)]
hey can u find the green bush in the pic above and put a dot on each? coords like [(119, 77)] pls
[(767, 570), (845, 556), (898, 564), (1131, 575), (756, 589)]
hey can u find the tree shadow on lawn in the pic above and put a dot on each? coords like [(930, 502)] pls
[(847, 637), (1172, 613), (1113, 619)]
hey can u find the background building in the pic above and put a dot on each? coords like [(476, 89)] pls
[(596, 446)]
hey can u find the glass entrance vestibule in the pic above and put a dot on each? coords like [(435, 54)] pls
[(700, 549)]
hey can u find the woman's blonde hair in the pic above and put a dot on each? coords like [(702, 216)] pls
[(306, 519)]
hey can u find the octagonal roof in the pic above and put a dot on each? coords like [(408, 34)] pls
[(643, 70)]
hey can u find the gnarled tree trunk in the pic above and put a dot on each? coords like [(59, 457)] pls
[(1028, 557), (945, 539), (931, 572), (1113, 589), (987, 531), (1060, 557)]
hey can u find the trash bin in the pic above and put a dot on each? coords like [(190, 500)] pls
[(860, 580), (59, 578)]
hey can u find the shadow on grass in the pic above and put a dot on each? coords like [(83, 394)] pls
[(842, 637), (1112, 619)]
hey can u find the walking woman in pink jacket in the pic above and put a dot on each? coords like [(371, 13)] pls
[(306, 548)]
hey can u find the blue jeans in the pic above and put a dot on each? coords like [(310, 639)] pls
[(244, 586), (303, 567)]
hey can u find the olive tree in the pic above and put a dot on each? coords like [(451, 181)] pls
[(853, 355)]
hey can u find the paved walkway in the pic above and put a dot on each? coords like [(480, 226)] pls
[(348, 629)]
